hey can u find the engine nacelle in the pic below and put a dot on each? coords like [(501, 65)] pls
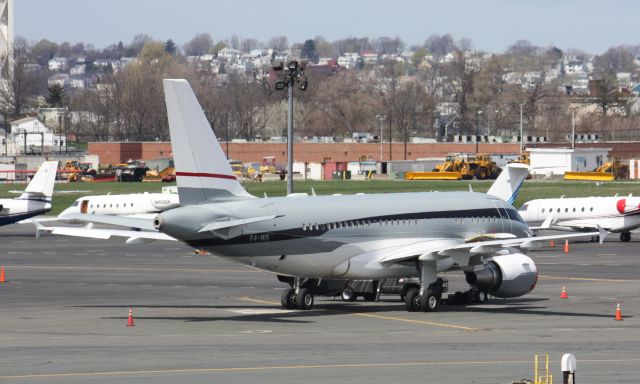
[(628, 205), (506, 276)]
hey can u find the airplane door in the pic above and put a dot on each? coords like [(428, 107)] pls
[(84, 204), (502, 216)]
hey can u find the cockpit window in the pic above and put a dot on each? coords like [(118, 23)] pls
[(524, 207), (75, 203)]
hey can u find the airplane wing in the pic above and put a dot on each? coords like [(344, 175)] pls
[(133, 237), (121, 221), (437, 249)]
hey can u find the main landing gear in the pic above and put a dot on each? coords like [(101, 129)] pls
[(297, 297), (625, 237), (427, 297)]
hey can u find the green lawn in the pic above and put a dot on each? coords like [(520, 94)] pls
[(530, 189)]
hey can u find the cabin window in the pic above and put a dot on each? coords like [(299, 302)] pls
[(574, 209), (104, 205), (90, 205), (582, 209), (558, 210), (542, 210), (566, 210), (110, 205), (591, 209)]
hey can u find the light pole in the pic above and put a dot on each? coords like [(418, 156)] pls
[(478, 113), (573, 127), (381, 118), (289, 76), (521, 132)]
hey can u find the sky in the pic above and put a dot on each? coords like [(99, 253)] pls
[(492, 25)]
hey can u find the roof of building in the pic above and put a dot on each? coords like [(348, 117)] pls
[(23, 120)]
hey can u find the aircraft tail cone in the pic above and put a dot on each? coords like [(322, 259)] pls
[(130, 318), (552, 243), (618, 313), (2, 279), (566, 246), (563, 294)]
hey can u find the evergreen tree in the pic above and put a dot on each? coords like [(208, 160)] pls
[(309, 51), (57, 96), (170, 47)]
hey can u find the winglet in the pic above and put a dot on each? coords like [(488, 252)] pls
[(603, 234), (507, 185)]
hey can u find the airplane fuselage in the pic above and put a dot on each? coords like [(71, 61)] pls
[(329, 236), (125, 204), (14, 210), (615, 214)]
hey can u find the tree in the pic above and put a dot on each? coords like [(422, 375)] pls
[(279, 43), (198, 45), (614, 60), (57, 97), (170, 47), (136, 45), (21, 84), (309, 51), (43, 51), (439, 46)]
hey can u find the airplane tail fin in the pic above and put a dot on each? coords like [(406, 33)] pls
[(41, 186), (507, 185), (202, 170)]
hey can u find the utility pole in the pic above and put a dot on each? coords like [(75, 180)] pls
[(573, 127), (521, 132), (381, 119), (478, 113)]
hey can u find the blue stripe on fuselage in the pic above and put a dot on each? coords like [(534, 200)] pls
[(10, 219)]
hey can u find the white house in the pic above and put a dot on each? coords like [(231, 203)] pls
[(30, 135), (229, 54), (58, 64), (349, 60), (557, 161)]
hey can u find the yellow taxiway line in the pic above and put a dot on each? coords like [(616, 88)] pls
[(588, 279), (290, 367), (393, 318)]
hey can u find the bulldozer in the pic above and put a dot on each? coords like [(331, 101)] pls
[(612, 169), (460, 167)]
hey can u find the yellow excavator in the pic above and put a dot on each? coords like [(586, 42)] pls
[(613, 169)]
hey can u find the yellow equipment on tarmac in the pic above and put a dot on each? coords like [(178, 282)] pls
[(609, 171), (460, 166)]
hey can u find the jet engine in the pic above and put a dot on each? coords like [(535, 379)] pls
[(629, 205), (506, 276)]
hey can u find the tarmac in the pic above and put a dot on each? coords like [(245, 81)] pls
[(204, 319)]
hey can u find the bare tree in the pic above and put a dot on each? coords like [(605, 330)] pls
[(198, 45)]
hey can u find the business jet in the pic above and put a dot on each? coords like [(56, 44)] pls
[(616, 214), (133, 204), (316, 239), (36, 198)]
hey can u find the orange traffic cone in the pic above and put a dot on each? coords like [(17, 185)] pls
[(130, 319), (2, 280), (618, 313), (566, 246), (552, 243), (563, 294)]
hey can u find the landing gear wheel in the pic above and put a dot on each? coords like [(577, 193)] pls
[(288, 299), (412, 300), (348, 294), (479, 297), (369, 296), (429, 302), (304, 299), (625, 237)]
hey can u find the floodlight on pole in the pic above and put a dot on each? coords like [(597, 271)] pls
[(381, 118), (521, 132), (288, 77)]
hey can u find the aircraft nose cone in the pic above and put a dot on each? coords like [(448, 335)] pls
[(621, 205)]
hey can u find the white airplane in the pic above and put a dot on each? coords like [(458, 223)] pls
[(36, 198), (133, 204), (583, 214), (315, 240)]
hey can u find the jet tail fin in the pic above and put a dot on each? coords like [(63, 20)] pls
[(41, 186), (507, 185), (202, 170)]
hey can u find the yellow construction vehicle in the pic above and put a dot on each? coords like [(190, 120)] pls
[(610, 170), (460, 166)]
